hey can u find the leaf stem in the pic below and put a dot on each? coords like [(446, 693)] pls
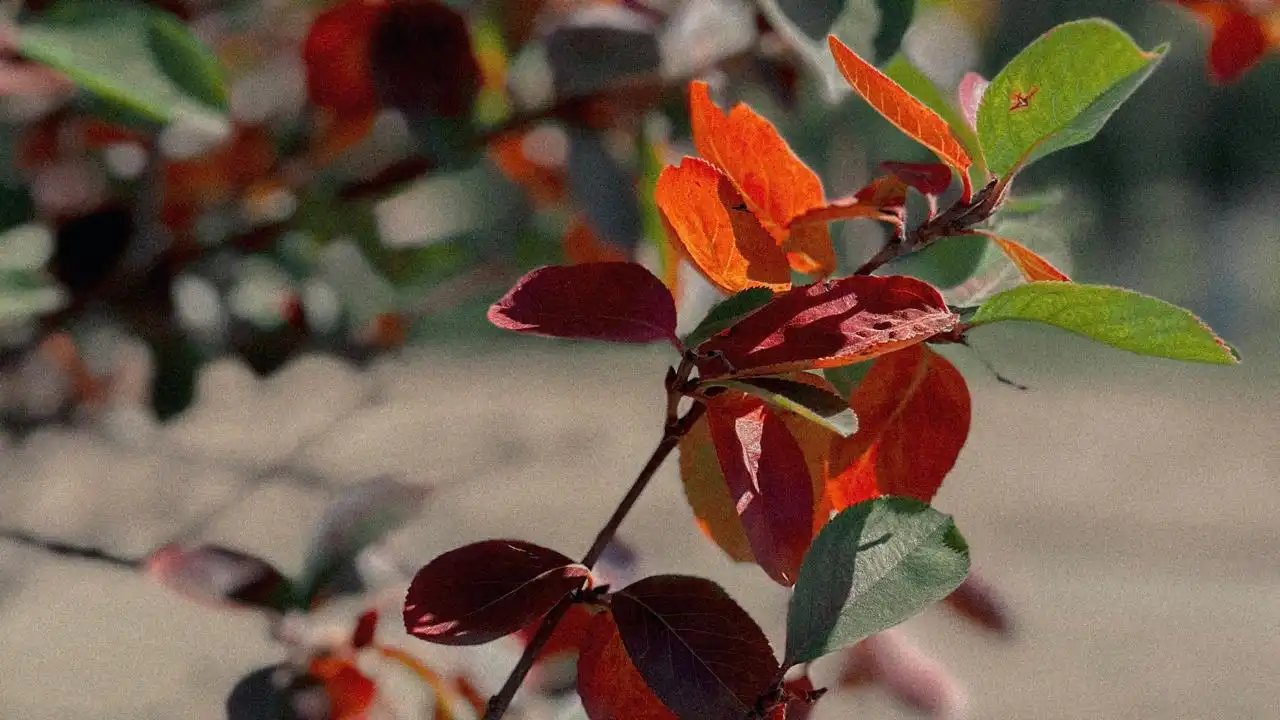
[(676, 428), (955, 220)]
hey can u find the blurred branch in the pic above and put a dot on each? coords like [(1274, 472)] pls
[(70, 550)]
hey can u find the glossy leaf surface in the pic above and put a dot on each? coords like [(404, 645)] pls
[(873, 565), (710, 222), (1121, 318), (708, 495), (805, 394), (914, 412), (483, 591), (767, 478), (728, 312), (617, 301), (773, 182), (902, 109), (1059, 92), (699, 652), (608, 683), (828, 324)]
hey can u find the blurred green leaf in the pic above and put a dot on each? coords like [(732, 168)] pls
[(1121, 318), (1060, 91), (871, 567), (846, 377), (134, 57), (26, 294), (15, 205), (895, 18)]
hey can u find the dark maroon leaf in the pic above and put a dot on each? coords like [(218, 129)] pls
[(828, 324), (928, 178), (617, 301), (366, 628), (221, 576), (422, 61), (699, 652), (768, 481), (978, 601), (481, 592)]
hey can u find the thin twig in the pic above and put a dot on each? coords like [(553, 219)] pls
[(955, 220), (65, 549)]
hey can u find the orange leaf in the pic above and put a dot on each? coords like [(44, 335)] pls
[(1033, 267), (350, 691), (913, 414), (903, 110), (708, 496), (883, 199), (775, 184), (610, 686), (544, 183), (708, 220), (582, 245)]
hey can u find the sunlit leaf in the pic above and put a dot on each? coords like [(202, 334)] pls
[(1033, 267), (1059, 92), (616, 301), (902, 71), (708, 495), (221, 576), (831, 323), (767, 478), (773, 182), (1117, 317), (483, 591), (699, 652), (902, 109), (914, 412), (608, 683), (708, 220), (805, 394), (728, 312), (143, 62), (874, 565)]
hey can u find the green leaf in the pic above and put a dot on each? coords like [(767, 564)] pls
[(1072, 79), (1121, 318), (26, 294), (944, 264), (895, 18), (873, 565), (141, 61), (845, 378), (815, 400), (728, 312), (901, 71)]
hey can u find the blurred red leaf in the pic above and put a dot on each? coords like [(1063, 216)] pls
[(336, 56), (483, 591), (421, 59), (768, 481), (545, 184), (911, 676), (697, 650), (350, 692), (220, 576), (883, 199), (913, 409), (366, 627), (978, 601), (828, 324), (1243, 32), (708, 220), (1029, 263), (582, 245), (775, 184), (902, 109), (610, 686), (928, 178), (617, 301)]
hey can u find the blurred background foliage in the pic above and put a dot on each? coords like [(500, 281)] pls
[(263, 177)]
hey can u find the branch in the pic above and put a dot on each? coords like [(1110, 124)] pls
[(955, 220), (65, 549)]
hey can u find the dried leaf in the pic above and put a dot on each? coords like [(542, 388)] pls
[(608, 683), (698, 651), (483, 591), (708, 220), (768, 481), (914, 412), (902, 109), (831, 323), (617, 301)]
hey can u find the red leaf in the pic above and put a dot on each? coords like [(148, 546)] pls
[(220, 576), (569, 634), (350, 692), (800, 696), (708, 495), (913, 410), (617, 301), (928, 178), (1029, 263), (483, 591), (707, 219), (775, 184), (902, 109), (1240, 37), (610, 686), (366, 627), (828, 324), (912, 677), (698, 651), (336, 56), (421, 59), (768, 481), (978, 601)]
